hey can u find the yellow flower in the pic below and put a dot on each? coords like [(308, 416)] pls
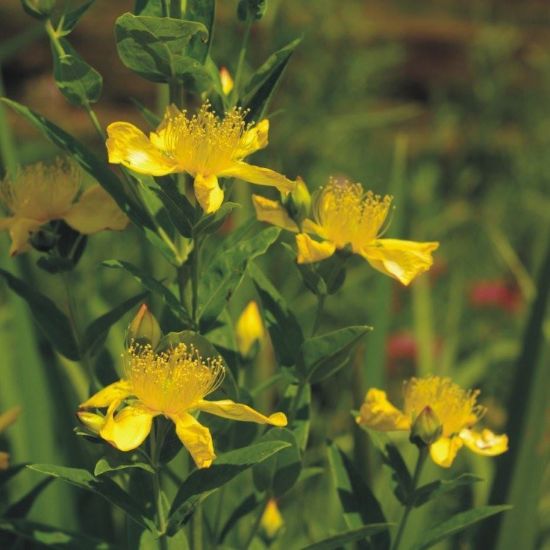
[(456, 409), (172, 383), (6, 420), (345, 215), (204, 146), (249, 328), (42, 193), (272, 520), (226, 80)]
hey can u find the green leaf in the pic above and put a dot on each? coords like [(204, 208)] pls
[(210, 223), (278, 474), (12, 471), (441, 486), (337, 541), (103, 486), (80, 83), (201, 11), (22, 507), (225, 273), (71, 18), (260, 88), (154, 286), (154, 47), (53, 323), (359, 504), (301, 421), (116, 461), (247, 505), (52, 537), (181, 211), (97, 331), (284, 329), (98, 169), (322, 356), (203, 482), (456, 524)]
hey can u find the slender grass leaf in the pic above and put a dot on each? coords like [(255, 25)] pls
[(154, 286), (48, 317), (52, 537), (12, 471), (97, 331), (225, 273), (261, 86), (203, 482), (247, 505), (456, 524), (23, 506), (337, 541), (322, 356), (282, 324), (103, 486), (359, 504), (441, 486)]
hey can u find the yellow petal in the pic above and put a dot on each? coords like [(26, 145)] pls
[(129, 146), (312, 251), (237, 411), (95, 211), (402, 260), (249, 328), (127, 429), (485, 443), (379, 414), (20, 230), (208, 192), (113, 392), (273, 212), (443, 451), (258, 175), (163, 137), (272, 520), (253, 139), (92, 421), (196, 438)]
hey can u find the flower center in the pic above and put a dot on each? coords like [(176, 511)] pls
[(174, 380), (455, 408), (348, 215)]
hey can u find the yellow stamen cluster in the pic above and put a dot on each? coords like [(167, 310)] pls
[(349, 215), (455, 407), (41, 191), (204, 143), (174, 380)]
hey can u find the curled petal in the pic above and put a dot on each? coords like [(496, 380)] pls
[(129, 146), (273, 212), (95, 211), (379, 414), (92, 421), (113, 392), (258, 175), (402, 260), (253, 139), (443, 451), (20, 230), (237, 411), (127, 429), (312, 251), (208, 192), (484, 443), (196, 438)]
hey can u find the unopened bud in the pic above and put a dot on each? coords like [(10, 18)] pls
[(272, 520), (144, 327), (298, 202), (426, 429), (94, 422), (226, 80), (40, 9), (249, 329)]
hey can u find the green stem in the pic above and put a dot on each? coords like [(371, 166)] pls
[(196, 529), (195, 270), (95, 122), (318, 313), (294, 404), (256, 523), (158, 434), (240, 62), (422, 455)]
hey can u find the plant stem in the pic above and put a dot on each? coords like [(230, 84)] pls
[(422, 455), (195, 270), (240, 63), (196, 529), (318, 313), (157, 439), (256, 523)]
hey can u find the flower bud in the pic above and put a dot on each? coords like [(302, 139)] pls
[(251, 9), (94, 422), (249, 329), (272, 520), (144, 326), (298, 202), (40, 9), (226, 80), (426, 429)]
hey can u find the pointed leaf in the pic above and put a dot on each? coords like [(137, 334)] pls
[(71, 18), (301, 418), (337, 541), (210, 223), (441, 486), (115, 462), (22, 507)]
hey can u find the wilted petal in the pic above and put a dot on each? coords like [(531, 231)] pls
[(379, 414), (258, 175), (208, 192), (129, 146), (310, 250), (95, 211), (443, 451), (237, 411), (196, 438), (113, 392), (273, 212), (127, 429), (484, 443), (402, 260)]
